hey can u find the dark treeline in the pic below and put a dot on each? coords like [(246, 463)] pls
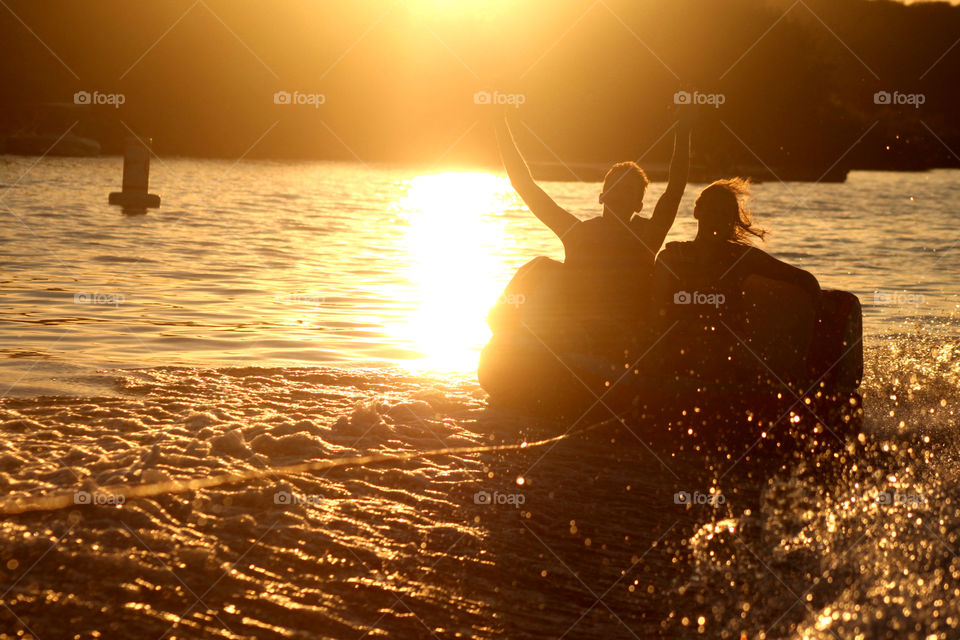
[(398, 79)]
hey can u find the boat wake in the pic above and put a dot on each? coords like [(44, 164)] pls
[(587, 535)]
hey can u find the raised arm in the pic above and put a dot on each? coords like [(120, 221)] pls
[(666, 210), (549, 212)]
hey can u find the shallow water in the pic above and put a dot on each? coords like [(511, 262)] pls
[(271, 314)]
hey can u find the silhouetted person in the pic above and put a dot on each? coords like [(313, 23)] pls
[(609, 259), (722, 255), (738, 312)]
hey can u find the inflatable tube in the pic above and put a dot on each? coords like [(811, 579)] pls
[(774, 351), (836, 359), (519, 372), (532, 363)]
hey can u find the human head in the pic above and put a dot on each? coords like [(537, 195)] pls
[(722, 212), (623, 189)]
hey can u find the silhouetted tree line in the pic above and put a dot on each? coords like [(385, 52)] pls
[(398, 81)]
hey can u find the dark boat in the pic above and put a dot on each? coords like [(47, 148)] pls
[(39, 144), (52, 129)]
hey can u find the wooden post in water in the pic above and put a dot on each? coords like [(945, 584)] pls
[(135, 196)]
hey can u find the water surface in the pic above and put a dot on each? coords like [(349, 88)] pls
[(276, 313)]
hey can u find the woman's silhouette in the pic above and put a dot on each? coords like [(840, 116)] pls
[(736, 310), (722, 255)]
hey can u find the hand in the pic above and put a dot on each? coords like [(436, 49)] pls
[(685, 112)]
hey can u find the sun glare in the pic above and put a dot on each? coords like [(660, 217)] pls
[(487, 7), (455, 272)]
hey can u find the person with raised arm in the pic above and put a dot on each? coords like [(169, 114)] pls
[(609, 259)]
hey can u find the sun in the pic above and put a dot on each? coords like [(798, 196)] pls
[(454, 239)]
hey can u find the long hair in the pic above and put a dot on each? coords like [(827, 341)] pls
[(723, 212)]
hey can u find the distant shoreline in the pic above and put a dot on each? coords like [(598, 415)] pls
[(566, 171)]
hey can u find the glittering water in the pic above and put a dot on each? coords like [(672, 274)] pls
[(270, 314)]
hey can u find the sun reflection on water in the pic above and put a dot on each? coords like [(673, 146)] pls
[(455, 269)]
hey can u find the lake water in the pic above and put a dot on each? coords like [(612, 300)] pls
[(273, 313), (330, 264)]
